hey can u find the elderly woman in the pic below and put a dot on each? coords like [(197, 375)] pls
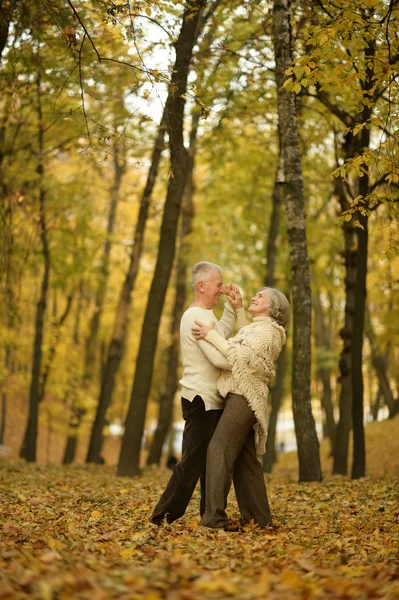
[(250, 356)]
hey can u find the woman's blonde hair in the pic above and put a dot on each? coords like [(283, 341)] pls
[(280, 308)]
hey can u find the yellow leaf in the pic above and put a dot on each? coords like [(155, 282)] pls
[(72, 528), (96, 514), (291, 579), (148, 10), (127, 552)]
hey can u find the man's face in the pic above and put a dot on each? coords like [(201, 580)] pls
[(212, 288)]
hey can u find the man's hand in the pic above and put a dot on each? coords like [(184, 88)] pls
[(200, 331), (233, 295)]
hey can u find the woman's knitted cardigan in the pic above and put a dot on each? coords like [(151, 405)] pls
[(252, 353)]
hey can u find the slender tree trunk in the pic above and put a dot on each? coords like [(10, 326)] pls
[(361, 215), (379, 362), (91, 342), (359, 449), (116, 347), (376, 405), (53, 348), (29, 448), (77, 412), (75, 421), (340, 466), (324, 373), (291, 180), (166, 399), (130, 451), (276, 392)]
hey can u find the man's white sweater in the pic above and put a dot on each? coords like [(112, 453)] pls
[(199, 374)]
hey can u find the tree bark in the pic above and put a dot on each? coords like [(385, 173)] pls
[(276, 392), (77, 412), (167, 397), (361, 215), (53, 348), (340, 464), (324, 373), (292, 183), (91, 342), (29, 448), (359, 449), (379, 363), (134, 427), (116, 347)]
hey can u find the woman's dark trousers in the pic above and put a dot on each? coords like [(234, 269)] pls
[(200, 425)]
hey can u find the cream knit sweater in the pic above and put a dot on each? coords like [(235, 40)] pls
[(202, 363), (251, 354)]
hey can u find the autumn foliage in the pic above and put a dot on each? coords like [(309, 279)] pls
[(79, 532)]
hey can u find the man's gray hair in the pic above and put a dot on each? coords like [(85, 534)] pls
[(202, 271), (280, 308)]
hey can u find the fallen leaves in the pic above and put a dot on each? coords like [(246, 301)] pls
[(73, 533)]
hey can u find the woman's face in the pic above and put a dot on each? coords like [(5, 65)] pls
[(259, 303)]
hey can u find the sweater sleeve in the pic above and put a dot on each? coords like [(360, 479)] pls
[(214, 355), (227, 321), (218, 342), (242, 320)]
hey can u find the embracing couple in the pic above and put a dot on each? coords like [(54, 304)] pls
[(224, 395)]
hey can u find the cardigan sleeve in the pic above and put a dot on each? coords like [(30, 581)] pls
[(242, 320), (227, 321), (214, 355), (218, 342)]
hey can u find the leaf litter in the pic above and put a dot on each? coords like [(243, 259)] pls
[(81, 533)]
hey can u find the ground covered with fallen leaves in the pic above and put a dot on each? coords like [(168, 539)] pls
[(81, 533)]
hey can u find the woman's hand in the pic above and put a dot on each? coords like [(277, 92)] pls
[(233, 295), (200, 331)]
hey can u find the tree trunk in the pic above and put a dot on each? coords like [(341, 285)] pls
[(340, 466), (116, 347), (29, 448), (376, 405), (91, 342), (292, 183), (276, 392), (361, 215), (359, 450), (379, 363), (75, 421), (77, 413), (130, 451), (53, 348), (167, 397), (324, 373)]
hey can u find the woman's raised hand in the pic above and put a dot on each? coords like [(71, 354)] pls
[(233, 295), (200, 331)]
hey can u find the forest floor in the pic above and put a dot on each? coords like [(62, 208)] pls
[(81, 533)]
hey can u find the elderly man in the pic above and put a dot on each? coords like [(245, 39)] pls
[(201, 404)]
